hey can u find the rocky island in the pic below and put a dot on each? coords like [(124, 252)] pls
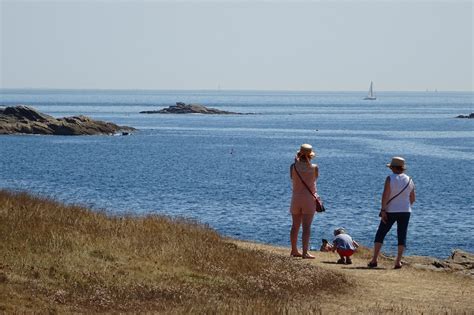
[(470, 116), (182, 108), (26, 120)]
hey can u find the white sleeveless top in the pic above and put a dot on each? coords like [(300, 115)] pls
[(401, 203)]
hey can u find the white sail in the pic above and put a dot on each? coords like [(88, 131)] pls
[(371, 95)]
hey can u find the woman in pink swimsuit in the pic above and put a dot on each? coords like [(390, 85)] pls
[(303, 204)]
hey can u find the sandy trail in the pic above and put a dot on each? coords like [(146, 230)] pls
[(407, 290)]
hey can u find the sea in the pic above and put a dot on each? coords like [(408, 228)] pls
[(231, 172)]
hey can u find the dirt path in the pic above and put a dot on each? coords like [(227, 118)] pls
[(385, 290)]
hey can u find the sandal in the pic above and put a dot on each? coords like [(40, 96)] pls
[(372, 265)]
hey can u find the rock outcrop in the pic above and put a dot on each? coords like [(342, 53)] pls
[(26, 120), (459, 262), (182, 108), (470, 116)]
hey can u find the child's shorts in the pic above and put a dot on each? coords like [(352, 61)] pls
[(345, 252)]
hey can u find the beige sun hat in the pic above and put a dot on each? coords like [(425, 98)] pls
[(307, 149), (397, 162)]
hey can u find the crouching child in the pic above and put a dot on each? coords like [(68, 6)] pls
[(344, 245)]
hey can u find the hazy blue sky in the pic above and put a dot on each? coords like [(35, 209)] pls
[(274, 45)]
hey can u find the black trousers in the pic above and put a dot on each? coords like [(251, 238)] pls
[(402, 219)]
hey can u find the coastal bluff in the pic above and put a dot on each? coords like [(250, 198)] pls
[(60, 258), (182, 108), (23, 119)]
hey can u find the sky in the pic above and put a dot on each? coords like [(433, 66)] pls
[(237, 45)]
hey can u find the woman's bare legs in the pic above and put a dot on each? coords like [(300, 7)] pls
[(307, 220), (377, 248), (295, 228)]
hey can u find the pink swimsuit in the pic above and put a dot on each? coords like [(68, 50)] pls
[(302, 201)]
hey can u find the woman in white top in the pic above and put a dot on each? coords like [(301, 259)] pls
[(397, 198)]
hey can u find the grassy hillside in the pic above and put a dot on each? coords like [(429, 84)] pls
[(60, 258)]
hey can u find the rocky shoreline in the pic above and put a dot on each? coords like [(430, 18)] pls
[(23, 119), (459, 262), (182, 108)]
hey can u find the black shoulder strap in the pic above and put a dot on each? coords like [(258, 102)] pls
[(304, 183), (409, 180)]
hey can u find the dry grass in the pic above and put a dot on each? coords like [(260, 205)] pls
[(59, 258), (383, 290)]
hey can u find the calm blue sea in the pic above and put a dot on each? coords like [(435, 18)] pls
[(231, 172)]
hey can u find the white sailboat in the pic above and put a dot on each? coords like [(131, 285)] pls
[(371, 95)]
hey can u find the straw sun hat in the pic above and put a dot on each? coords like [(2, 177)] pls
[(397, 162), (306, 149)]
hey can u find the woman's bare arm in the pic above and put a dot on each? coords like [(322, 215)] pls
[(385, 199), (386, 192), (412, 196)]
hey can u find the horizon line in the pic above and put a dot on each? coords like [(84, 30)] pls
[(221, 90)]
